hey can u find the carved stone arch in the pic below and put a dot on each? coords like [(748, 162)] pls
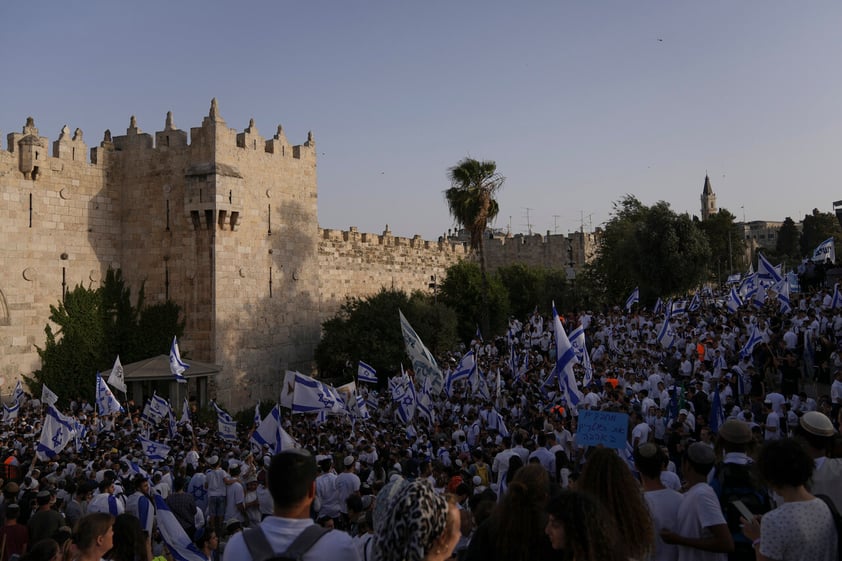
[(4, 311)]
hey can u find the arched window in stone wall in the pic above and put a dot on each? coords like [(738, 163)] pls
[(4, 310)]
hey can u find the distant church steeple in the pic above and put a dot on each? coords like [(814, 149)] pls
[(708, 200)]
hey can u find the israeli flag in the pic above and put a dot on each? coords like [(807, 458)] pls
[(695, 303), (836, 301), (633, 299), (424, 407), (227, 428), (154, 451), (173, 534), (185, 414), (106, 403), (478, 335), (733, 279), (758, 298), (666, 335), (524, 367), (362, 408), (748, 285), (56, 433), (220, 412), (155, 409), (717, 414), (312, 396), (407, 403), (766, 271), (18, 395), (177, 366), (499, 424), (172, 426), (366, 373), (566, 358), (271, 433), (678, 308), (754, 339), (465, 368), (658, 307), (10, 412), (48, 396), (577, 339), (734, 302), (782, 291), (423, 363), (117, 378), (825, 250)]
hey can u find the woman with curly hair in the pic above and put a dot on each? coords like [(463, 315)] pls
[(515, 529), (580, 527), (610, 481)]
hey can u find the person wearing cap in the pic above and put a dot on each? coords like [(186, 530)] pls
[(347, 484), (14, 536), (702, 533), (215, 486), (45, 521), (817, 432), (292, 483), (663, 502)]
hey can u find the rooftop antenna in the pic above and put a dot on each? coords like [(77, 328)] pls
[(555, 222), (528, 222)]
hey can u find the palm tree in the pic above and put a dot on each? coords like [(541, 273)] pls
[(470, 201)]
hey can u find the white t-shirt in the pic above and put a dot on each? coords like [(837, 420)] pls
[(799, 531), (663, 504), (282, 531), (699, 511)]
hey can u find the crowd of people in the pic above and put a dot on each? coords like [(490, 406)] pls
[(729, 455)]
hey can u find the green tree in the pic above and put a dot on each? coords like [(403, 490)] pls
[(368, 329), (725, 244), (464, 291), (94, 325), (653, 248), (816, 228), (470, 200), (789, 240)]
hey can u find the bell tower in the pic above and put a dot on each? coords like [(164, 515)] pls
[(708, 200)]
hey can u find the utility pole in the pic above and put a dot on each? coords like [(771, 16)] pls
[(555, 222)]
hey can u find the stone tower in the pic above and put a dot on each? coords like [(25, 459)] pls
[(708, 200)]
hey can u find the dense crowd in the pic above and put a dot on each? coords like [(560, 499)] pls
[(717, 437)]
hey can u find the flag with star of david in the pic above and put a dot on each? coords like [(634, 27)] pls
[(56, 433), (154, 451), (106, 403), (312, 396)]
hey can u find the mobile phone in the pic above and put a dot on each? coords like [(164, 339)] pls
[(744, 511)]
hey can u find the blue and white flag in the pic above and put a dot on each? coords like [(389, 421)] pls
[(174, 536), (633, 299), (172, 426), (423, 363), (271, 433), (366, 373), (10, 412), (758, 298), (56, 433), (577, 339), (733, 279), (155, 409), (177, 366), (678, 308), (836, 301), (497, 423), (825, 250), (154, 451), (566, 358), (362, 408), (658, 307), (695, 303), (18, 396), (734, 302), (666, 335), (407, 403), (185, 415), (227, 428), (748, 285), (220, 412), (257, 414), (312, 396), (465, 368), (106, 403), (766, 271), (48, 396), (424, 406), (782, 291), (753, 340), (478, 335)]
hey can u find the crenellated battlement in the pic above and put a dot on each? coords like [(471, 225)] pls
[(353, 236)]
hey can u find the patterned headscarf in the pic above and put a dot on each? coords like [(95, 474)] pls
[(408, 519)]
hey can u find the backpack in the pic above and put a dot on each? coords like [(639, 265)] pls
[(737, 482), (261, 550), (837, 521)]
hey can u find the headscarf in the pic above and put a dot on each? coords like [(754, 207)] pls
[(408, 519)]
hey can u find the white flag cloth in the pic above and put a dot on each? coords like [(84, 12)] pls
[(782, 291), (423, 363), (185, 415), (48, 396), (173, 534), (734, 301), (18, 395), (565, 359), (271, 432), (366, 373), (10, 412), (288, 389), (117, 378), (633, 299), (666, 335), (57, 432), (106, 403), (177, 366), (766, 271), (577, 339), (310, 395), (227, 428), (463, 370), (156, 409), (753, 340), (154, 451), (825, 250)]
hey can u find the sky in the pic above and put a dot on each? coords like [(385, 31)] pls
[(578, 103)]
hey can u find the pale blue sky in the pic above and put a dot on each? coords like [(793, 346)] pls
[(578, 103)]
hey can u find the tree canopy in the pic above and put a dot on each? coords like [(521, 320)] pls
[(816, 228)]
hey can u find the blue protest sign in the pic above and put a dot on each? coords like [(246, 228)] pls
[(602, 427)]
